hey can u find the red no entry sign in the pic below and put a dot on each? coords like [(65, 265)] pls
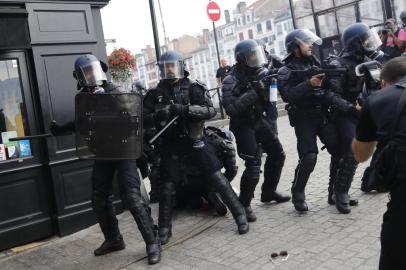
[(213, 11)]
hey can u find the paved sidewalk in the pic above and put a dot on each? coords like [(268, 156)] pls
[(319, 239)]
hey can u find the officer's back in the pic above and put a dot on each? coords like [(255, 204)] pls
[(378, 123)]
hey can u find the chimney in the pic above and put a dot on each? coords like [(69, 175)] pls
[(241, 7), (227, 15), (205, 36)]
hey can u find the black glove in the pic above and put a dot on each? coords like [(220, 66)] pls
[(258, 86), (65, 129), (179, 109), (163, 114)]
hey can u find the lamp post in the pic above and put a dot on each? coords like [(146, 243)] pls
[(155, 30)]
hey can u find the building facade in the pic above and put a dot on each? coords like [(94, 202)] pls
[(44, 188), (328, 18)]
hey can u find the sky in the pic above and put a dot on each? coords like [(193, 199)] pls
[(129, 21)]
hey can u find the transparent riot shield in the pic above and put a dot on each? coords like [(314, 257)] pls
[(108, 126)]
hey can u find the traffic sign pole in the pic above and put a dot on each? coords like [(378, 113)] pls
[(213, 12)]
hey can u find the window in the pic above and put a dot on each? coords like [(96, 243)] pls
[(250, 34), (239, 22), (281, 47), (327, 23), (302, 8), (248, 18), (345, 17), (13, 121), (322, 4), (259, 28), (241, 36), (399, 6), (371, 12), (268, 25), (279, 29), (306, 22)]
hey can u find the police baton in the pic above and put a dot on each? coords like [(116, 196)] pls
[(46, 135), (151, 141)]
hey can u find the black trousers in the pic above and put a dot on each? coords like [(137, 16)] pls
[(103, 175), (393, 233), (346, 125), (175, 153), (309, 126)]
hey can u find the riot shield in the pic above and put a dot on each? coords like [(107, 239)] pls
[(108, 126)]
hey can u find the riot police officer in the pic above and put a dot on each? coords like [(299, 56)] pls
[(246, 100), (306, 111), (360, 45), (178, 96), (383, 124), (90, 75)]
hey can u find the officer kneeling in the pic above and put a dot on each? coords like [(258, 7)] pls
[(93, 113), (383, 123)]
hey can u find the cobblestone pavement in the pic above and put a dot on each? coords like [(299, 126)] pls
[(319, 239)]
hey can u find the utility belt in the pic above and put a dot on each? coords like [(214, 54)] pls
[(294, 111)]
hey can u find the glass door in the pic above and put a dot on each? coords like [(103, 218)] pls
[(17, 114)]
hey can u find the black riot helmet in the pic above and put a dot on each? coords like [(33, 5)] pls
[(171, 66), (89, 71), (359, 40), (250, 55), (403, 17), (299, 36)]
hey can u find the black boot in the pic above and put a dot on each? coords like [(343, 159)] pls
[(302, 174), (105, 213), (249, 181), (218, 205), (334, 165), (145, 223), (251, 217), (267, 197), (223, 187), (165, 212), (272, 173), (345, 175), (110, 245)]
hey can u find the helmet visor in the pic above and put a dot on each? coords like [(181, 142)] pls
[(171, 70), (371, 41), (308, 37), (91, 74), (255, 57)]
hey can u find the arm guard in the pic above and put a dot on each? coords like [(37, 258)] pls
[(289, 93), (236, 105)]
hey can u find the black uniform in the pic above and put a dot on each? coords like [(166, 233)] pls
[(102, 193), (194, 187), (345, 91), (253, 122), (374, 125), (307, 113), (185, 137)]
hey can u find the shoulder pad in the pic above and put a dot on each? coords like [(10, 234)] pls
[(230, 79)]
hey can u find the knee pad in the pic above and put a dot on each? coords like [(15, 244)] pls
[(252, 173), (278, 159), (132, 198), (308, 161)]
